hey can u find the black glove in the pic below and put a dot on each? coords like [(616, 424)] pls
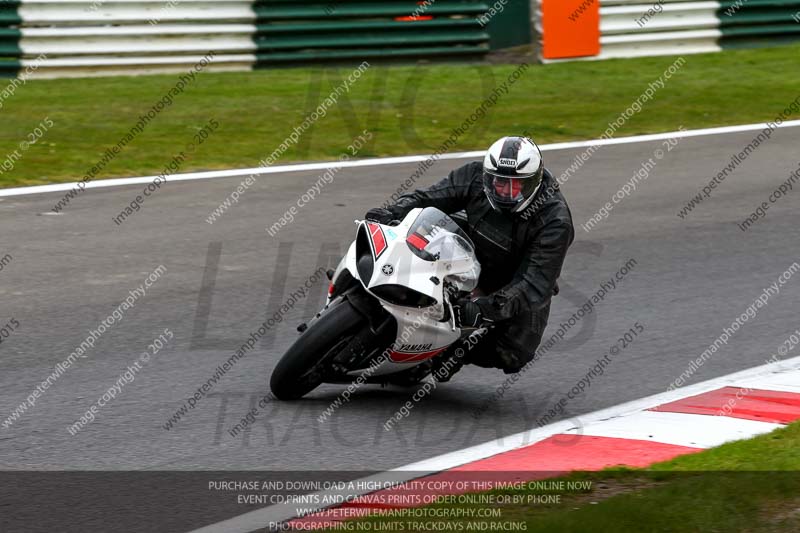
[(469, 314), (379, 215)]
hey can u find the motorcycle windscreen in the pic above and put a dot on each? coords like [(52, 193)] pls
[(434, 236)]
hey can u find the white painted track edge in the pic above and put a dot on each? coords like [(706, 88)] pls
[(214, 174)]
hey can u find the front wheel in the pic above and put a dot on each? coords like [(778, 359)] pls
[(300, 369)]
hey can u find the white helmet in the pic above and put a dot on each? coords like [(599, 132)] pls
[(512, 173)]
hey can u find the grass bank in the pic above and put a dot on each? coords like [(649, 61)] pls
[(408, 110)]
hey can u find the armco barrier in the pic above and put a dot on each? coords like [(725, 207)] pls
[(78, 37), (629, 28)]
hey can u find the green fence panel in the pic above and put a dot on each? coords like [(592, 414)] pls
[(756, 23), (510, 25), (255, 33), (10, 51), (277, 10), (9, 13), (343, 30)]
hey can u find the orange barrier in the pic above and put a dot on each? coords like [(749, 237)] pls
[(570, 28)]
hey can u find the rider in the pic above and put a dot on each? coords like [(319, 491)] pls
[(521, 226)]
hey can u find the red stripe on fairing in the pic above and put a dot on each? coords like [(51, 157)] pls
[(751, 404), (377, 238), (551, 457), (409, 357)]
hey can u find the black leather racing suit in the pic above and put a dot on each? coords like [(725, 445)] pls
[(520, 258)]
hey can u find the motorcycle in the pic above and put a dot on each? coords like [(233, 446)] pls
[(389, 311)]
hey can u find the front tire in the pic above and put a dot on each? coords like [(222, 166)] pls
[(298, 373)]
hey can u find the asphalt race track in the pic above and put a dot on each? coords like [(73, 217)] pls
[(691, 278)]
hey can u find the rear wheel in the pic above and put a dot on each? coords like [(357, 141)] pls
[(300, 370)]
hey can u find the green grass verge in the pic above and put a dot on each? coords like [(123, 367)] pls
[(409, 110), (751, 485)]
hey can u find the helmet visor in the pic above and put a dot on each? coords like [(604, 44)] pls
[(509, 192), (507, 188)]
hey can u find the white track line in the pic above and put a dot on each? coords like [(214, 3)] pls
[(261, 518), (214, 174)]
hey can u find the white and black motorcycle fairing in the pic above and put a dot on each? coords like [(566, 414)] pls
[(389, 307)]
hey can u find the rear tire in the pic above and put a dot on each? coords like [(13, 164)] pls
[(296, 373)]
